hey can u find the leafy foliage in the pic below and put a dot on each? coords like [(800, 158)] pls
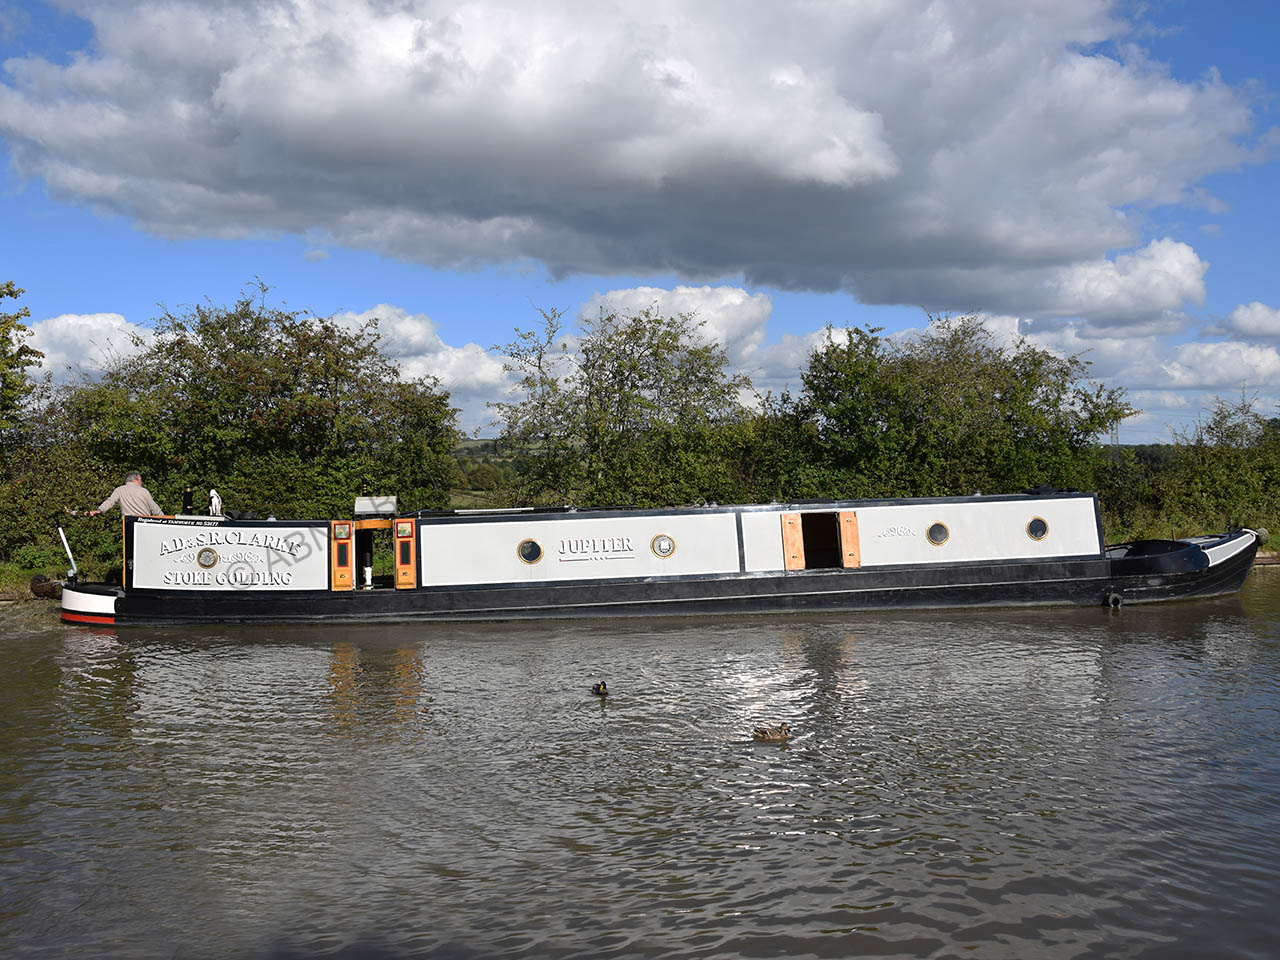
[(291, 415), (620, 415), (285, 414), (15, 358), (951, 411), (1226, 470)]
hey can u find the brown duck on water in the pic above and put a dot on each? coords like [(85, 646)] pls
[(771, 734)]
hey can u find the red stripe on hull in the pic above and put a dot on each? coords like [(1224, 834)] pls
[(85, 618)]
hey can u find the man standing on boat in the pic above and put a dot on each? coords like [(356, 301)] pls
[(134, 499)]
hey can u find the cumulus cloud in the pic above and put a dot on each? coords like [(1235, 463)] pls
[(1227, 366), (1155, 280), (470, 373), (1254, 320), (1157, 370), (1136, 293), (75, 343), (731, 316), (930, 152)]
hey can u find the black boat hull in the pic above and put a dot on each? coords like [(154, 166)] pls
[(1167, 574)]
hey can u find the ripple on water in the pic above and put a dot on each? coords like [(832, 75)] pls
[(1027, 783)]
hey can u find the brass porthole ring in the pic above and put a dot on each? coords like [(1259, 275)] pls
[(529, 551), (207, 557), (938, 534), (663, 546), (1037, 528)]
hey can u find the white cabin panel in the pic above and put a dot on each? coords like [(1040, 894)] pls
[(577, 548), (979, 530), (762, 539), (210, 555)]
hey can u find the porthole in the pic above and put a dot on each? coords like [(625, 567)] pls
[(662, 546), (1037, 528), (529, 551), (207, 557), (938, 534)]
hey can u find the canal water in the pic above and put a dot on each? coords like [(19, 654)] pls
[(1038, 783)]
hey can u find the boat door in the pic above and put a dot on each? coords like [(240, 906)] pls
[(818, 540), (406, 561), (341, 555)]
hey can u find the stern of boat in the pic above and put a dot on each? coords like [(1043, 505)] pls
[(90, 602)]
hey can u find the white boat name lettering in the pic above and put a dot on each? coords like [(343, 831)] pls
[(236, 578), (591, 548), (240, 538), (899, 530)]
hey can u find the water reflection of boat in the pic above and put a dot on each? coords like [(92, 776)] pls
[(1033, 548)]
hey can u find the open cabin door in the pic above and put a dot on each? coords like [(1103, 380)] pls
[(821, 540)]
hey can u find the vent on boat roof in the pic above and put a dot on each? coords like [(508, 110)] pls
[(375, 507)]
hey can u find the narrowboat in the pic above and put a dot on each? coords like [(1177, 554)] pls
[(1038, 547)]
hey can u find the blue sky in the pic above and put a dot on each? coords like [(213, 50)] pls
[(1100, 177)]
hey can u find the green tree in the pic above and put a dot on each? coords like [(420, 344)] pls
[(284, 413), (951, 411), (1225, 471), (620, 414), (15, 358), (858, 401), (485, 476)]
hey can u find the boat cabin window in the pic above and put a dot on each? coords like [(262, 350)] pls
[(821, 532), (530, 551)]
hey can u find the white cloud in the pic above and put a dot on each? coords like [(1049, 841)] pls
[(84, 342), (732, 317), (470, 373), (1254, 320), (1227, 366), (1160, 277), (930, 152), (779, 365), (1133, 293), (412, 341), (1166, 399)]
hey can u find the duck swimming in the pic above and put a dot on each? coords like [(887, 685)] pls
[(599, 689), (771, 734)]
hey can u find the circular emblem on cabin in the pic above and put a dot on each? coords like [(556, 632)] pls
[(207, 557), (529, 551), (938, 534), (662, 546), (1037, 528)]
